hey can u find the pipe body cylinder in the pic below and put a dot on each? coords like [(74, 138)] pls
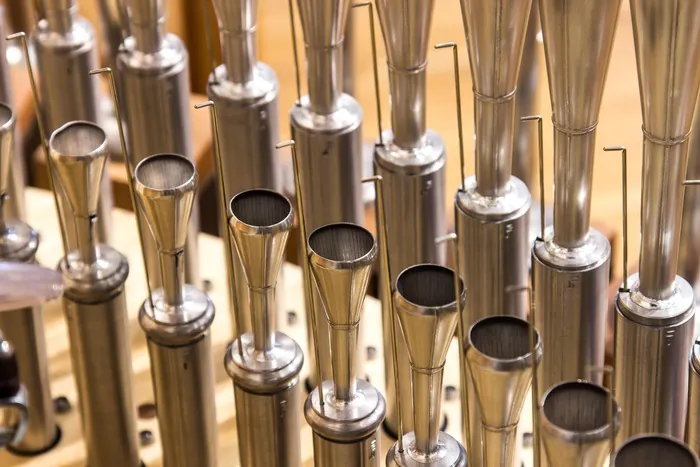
[(653, 339), (183, 379), (571, 308), (65, 56), (688, 262), (97, 321), (414, 192), (692, 432), (329, 148), (24, 329), (451, 454), (268, 396), (156, 103), (346, 433), (248, 132)]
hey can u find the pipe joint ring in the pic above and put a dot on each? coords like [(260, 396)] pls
[(572, 131), (428, 371), (407, 71), (494, 100), (665, 142)]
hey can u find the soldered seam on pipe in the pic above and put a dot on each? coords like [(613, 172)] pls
[(500, 429), (428, 371), (573, 132), (494, 100), (407, 71), (665, 142), (345, 327)]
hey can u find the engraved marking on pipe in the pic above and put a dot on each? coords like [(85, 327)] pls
[(283, 408), (372, 448)]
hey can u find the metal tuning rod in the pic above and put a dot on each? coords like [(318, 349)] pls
[(177, 317), (428, 315), (245, 92), (152, 71), (14, 404), (64, 44), (24, 325), (500, 362), (654, 317), (654, 451), (411, 161), (264, 363), (327, 127)]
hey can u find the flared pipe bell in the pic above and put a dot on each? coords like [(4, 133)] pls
[(575, 424), (500, 360), (341, 256), (654, 451), (259, 224), (427, 311)]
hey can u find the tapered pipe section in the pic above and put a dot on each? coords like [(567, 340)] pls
[(94, 303), (152, 69), (13, 398), (114, 29), (177, 317), (412, 164), (245, 93), (577, 423), (492, 210), (345, 428), (66, 51), (427, 311), (24, 327), (327, 127), (692, 433), (500, 361), (654, 451), (655, 319), (264, 364)]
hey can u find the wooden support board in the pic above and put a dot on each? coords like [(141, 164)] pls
[(71, 452)]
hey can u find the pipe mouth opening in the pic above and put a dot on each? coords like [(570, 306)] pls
[(260, 208), (343, 242), (7, 116), (164, 172), (648, 451), (76, 139), (502, 337), (577, 407), (427, 285)]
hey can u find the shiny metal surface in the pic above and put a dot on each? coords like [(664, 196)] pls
[(689, 250), (571, 305), (576, 424), (245, 93), (95, 309), (667, 49), (692, 432), (114, 29), (653, 341), (578, 38), (329, 150), (450, 454), (14, 414), (346, 433), (268, 397), (155, 90), (64, 44), (427, 312), (495, 36), (179, 345), (500, 362), (414, 187), (653, 451)]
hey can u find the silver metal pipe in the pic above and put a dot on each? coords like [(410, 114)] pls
[(177, 317), (64, 44), (264, 364), (654, 451), (576, 424), (500, 362), (427, 310), (24, 326), (688, 263), (692, 431), (349, 56), (94, 303), (652, 344), (345, 425), (245, 93), (155, 86), (665, 47), (492, 207), (15, 208), (327, 127), (14, 413), (412, 164), (571, 267), (114, 29)]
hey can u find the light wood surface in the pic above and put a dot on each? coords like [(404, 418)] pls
[(70, 451)]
